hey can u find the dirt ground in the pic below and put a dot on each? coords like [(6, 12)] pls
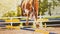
[(54, 29), (50, 29)]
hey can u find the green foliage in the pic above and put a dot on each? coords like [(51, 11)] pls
[(10, 14), (59, 1), (19, 11), (43, 6), (54, 3)]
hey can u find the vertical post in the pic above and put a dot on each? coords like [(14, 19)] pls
[(27, 19), (21, 24), (45, 25), (41, 25), (11, 22), (34, 24)]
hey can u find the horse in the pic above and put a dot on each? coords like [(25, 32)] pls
[(30, 7)]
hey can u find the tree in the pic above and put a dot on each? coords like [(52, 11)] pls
[(19, 11), (54, 4), (43, 6), (58, 1), (49, 8), (10, 14)]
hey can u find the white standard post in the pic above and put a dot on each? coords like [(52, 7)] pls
[(34, 24), (11, 22), (41, 25)]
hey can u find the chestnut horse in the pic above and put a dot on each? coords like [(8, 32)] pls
[(27, 8), (31, 6)]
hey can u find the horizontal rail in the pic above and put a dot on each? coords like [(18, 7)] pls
[(32, 21), (25, 16), (53, 25)]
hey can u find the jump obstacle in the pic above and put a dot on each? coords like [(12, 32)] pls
[(21, 25)]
